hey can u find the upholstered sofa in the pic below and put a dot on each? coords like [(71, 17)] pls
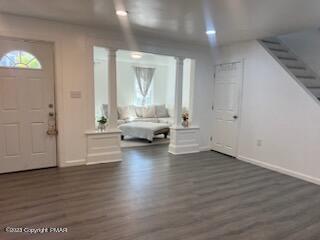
[(152, 113)]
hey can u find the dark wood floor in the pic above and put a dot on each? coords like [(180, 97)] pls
[(152, 195)]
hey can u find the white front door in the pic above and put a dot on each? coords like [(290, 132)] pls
[(26, 105), (227, 97)]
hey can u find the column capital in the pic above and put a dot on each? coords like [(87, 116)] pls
[(112, 51), (179, 58)]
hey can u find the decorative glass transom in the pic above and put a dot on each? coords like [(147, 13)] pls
[(20, 59)]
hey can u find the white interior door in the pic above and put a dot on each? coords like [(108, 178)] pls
[(227, 97), (26, 103)]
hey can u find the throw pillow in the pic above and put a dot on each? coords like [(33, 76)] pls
[(162, 111), (127, 112), (149, 112), (139, 111)]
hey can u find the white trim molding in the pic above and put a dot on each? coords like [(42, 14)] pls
[(74, 163), (184, 140), (204, 149), (280, 170)]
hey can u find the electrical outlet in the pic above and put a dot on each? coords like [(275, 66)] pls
[(259, 142)]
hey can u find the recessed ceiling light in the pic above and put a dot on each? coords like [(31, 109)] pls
[(122, 13), (211, 32), (136, 55)]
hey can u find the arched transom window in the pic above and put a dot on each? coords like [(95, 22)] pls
[(20, 59)]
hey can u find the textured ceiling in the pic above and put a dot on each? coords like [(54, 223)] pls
[(182, 20)]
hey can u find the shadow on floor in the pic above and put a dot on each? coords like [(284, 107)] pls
[(137, 142)]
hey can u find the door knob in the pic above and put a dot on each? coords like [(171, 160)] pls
[(52, 131), (235, 117)]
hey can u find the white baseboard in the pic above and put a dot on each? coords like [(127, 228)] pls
[(73, 163), (105, 157), (205, 149), (183, 149), (104, 162), (280, 170)]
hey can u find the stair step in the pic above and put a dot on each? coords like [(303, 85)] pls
[(290, 63), (302, 73), (305, 77), (279, 50), (288, 58), (296, 67), (273, 46), (315, 92), (286, 55), (271, 41)]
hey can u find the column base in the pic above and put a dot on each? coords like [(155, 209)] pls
[(184, 140), (103, 147)]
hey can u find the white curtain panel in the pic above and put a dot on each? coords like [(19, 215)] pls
[(144, 77)]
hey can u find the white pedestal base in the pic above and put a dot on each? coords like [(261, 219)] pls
[(103, 147), (184, 140)]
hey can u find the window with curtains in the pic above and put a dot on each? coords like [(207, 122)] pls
[(139, 97), (143, 85)]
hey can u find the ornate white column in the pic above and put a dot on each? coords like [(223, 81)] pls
[(178, 92), (182, 140), (105, 147), (112, 89)]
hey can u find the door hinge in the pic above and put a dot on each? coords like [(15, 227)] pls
[(212, 107), (214, 76)]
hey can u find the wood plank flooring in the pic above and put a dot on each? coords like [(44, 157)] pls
[(152, 195)]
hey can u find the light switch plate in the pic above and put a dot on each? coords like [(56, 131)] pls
[(75, 94)]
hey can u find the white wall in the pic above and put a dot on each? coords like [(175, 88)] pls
[(306, 45), (125, 84), (161, 78), (74, 72), (277, 111)]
